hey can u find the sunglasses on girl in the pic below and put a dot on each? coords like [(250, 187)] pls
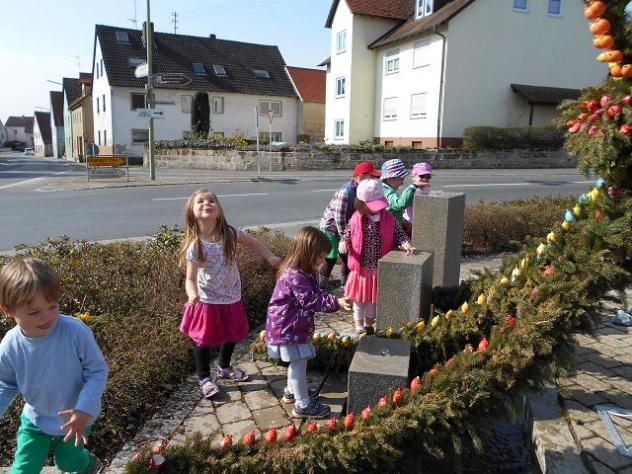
[(425, 176)]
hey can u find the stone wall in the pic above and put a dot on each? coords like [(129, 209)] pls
[(238, 160)]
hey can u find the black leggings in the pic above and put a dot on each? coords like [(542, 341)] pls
[(203, 358), (330, 263)]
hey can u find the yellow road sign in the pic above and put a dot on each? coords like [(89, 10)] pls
[(106, 160)]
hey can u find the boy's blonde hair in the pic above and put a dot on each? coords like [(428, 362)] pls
[(22, 278), (192, 231), (308, 245)]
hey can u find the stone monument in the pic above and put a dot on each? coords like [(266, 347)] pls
[(379, 366)]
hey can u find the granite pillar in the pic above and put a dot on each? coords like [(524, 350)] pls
[(404, 287), (438, 228), (378, 367)]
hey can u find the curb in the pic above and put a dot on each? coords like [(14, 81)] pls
[(553, 443)]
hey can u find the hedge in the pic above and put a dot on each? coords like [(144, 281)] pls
[(503, 138)]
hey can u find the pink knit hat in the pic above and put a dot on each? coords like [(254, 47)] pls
[(420, 169), (370, 191)]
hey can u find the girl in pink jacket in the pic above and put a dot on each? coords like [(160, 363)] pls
[(371, 234)]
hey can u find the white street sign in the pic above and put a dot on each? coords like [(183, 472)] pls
[(141, 70), (151, 113)]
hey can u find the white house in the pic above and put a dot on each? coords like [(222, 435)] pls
[(20, 130), (57, 123), (3, 134), (42, 141), (417, 73), (238, 77)]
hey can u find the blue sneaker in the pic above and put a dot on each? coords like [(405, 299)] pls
[(315, 409)]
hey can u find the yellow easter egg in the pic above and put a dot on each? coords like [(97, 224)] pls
[(566, 226), (594, 194), (316, 336), (344, 341), (504, 281), (451, 314), (551, 237), (465, 307), (481, 299), (524, 262), (332, 336), (435, 321), (262, 335), (577, 211), (492, 291), (389, 331), (420, 326), (540, 250)]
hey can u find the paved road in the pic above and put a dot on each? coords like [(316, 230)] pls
[(29, 215)]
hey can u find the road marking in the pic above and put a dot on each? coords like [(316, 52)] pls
[(324, 190), (582, 182), (484, 185), (19, 183), (218, 195), (282, 225)]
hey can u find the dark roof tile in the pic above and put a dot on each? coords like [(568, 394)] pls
[(43, 123), (72, 88), (57, 107), (177, 53)]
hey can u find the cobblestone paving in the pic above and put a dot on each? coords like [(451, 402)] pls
[(604, 377)]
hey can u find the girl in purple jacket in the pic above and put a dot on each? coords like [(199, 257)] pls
[(290, 322)]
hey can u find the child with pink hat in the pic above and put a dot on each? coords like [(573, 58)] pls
[(371, 234), (421, 175)]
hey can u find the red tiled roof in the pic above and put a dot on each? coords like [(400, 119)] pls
[(394, 9), (309, 83)]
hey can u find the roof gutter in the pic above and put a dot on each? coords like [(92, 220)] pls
[(441, 81)]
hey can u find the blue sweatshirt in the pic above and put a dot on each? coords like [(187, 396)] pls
[(62, 370)]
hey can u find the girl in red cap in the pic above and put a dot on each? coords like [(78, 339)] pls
[(371, 234)]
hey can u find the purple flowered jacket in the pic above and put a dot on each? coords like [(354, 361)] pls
[(295, 299)]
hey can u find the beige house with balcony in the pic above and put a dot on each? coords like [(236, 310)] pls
[(82, 121)]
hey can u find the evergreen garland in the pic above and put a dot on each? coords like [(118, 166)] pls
[(516, 332)]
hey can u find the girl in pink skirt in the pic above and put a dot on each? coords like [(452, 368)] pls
[(371, 234), (214, 314)]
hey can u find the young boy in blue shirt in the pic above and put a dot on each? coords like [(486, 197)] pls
[(54, 362)]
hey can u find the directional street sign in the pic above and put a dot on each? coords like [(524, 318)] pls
[(171, 79), (141, 70), (151, 113)]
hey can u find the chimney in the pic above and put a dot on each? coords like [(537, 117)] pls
[(212, 36), (143, 34)]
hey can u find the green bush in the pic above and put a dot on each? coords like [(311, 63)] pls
[(210, 143), (131, 295), (503, 138)]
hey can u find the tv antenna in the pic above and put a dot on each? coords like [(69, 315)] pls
[(174, 20), (135, 19), (77, 62)]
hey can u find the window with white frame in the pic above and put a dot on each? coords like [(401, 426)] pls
[(261, 74), (341, 41), (555, 8), (391, 62), (122, 37), (219, 70), (199, 69), (274, 105), (424, 8), (187, 100), (521, 5), (140, 135), (390, 108), (340, 86), (419, 106), (217, 105), (339, 128), (421, 56)]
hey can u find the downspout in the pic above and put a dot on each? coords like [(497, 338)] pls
[(440, 107)]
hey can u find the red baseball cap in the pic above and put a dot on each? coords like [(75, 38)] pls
[(365, 167)]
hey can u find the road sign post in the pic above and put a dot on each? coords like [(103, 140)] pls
[(257, 129), (151, 113), (150, 93)]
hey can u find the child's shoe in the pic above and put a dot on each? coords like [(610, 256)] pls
[(360, 330), (369, 331), (288, 397), (208, 388), (315, 409), (232, 373), (97, 467)]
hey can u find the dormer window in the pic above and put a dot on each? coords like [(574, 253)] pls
[(219, 70), (122, 37), (133, 62), (261, 73), (198, 68), (424, 8)]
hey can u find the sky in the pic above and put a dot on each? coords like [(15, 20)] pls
[(42, 40)]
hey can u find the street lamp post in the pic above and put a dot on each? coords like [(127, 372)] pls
[(150, 94)]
